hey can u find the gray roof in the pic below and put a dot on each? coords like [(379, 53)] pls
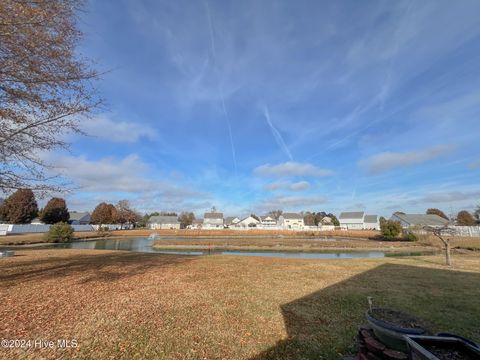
[(267, 216), (229, 219), (352, 215), (292, 216), (423, 219), (212, 215), (79, 216), (370, 219), (163, 219)]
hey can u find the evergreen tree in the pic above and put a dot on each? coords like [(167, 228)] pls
[(55, 211)]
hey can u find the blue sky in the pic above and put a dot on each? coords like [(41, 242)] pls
[(251, 106)]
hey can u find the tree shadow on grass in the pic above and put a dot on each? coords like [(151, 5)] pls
[(323, 324), (111, 266)]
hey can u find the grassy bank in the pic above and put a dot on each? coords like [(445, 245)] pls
[(289, 244), (123, 305), (38, 238), (24, 239)]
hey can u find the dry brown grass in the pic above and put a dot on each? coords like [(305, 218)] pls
[(290, 244), (38, 238), (121, 305), (458, 242)]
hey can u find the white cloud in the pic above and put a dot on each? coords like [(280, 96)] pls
[(300, 186), (290, 203), (287, 185), (108, 174), (103, 127), (112, 179), (475, 165), (392, 160), (452, 196), (291, 168)]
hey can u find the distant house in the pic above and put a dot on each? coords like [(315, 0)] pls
[(231, 220), (213, 220), (248, 222), (37, 221), (79, 218), (371, 222), (327, 220), (163, 222), (196, 224), (352, 220), (268, 220), (291, 221), (358, 220), (411, 220)]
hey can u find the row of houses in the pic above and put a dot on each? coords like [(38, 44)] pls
[(357, 220), (216, 220)]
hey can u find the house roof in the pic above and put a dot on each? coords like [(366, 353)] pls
[(352, 215), (75, 215), (249, 217), (229, 219), (423, 219), (371, 218), (267, 217), (163, 219), (292, 216), (213, 215)]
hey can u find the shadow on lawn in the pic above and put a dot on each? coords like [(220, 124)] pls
[(323, 324), (98, 267)]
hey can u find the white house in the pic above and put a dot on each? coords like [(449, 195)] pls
[(352, 220), (231, 221), (248, 222), (268, 220), (196, 224), (410, 220), (163, 222), (371, 222), (291, 221), (79, 218), (358, 220), (213, 220)]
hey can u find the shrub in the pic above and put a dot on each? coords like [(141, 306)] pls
[(391, 229), (60, 232), (103, 231), (410, 236)]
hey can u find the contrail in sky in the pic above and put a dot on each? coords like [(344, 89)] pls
[(276, 134), (222, 96)]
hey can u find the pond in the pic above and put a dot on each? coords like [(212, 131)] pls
[(143, 244)]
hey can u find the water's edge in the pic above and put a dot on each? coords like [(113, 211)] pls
[(145, 245)]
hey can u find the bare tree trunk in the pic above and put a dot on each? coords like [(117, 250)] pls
[(447, 253)]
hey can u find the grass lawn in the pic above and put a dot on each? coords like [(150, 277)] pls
[(122, 305)]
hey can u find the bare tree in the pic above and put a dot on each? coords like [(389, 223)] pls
[(45, 87), (125, 214), (443, 233)]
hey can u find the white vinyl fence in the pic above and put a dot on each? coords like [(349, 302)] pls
[(7, 229)]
